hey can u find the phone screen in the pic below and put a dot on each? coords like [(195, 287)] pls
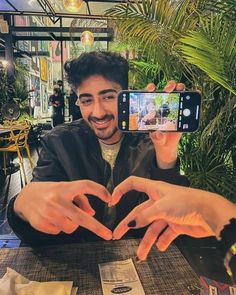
[(145, 111)]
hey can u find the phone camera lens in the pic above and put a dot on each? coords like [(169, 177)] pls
[(186, 112)]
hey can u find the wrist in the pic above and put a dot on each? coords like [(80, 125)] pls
[(219, 213), (166, 162)]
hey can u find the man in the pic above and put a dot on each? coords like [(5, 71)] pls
[(56, 100), (90, 156)]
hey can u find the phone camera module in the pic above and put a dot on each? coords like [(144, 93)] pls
[(123, 124), (186, 112)]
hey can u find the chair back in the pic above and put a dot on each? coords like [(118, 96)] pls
[(18, 135)]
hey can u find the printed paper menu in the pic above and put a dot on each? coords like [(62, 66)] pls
[(120, 277)]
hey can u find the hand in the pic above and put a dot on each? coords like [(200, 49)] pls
[(49, 208), (166, 143), (178, 210)]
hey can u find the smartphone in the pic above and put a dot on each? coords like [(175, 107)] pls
[(140, 111)]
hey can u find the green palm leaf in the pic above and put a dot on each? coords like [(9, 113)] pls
[(225, 7), (213, 50)]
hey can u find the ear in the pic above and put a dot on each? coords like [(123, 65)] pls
[(77, 102)]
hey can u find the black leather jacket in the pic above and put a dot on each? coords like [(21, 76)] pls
[(72, 152)]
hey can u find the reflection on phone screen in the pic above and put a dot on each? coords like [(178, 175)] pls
[(153, 111)]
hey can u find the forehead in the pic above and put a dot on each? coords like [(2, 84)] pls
[(95, 84)]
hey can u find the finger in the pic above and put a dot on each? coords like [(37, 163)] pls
[(81, 187), (166, 239), (133, 183), (55, 216), (150, 238), (151, 87), (170, 86), (180, 87), (150, 214), (65, 225), (45, 227), (78, 216), (123, 227), (83, 203)]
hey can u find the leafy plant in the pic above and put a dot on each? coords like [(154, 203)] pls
[(191, 42), (19, 88)]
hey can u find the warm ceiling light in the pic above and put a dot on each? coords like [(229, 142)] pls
[(72, 5), (87, 38)]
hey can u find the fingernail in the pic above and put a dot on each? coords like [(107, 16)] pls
[(151, 87), (138, 260), (132, 223), (108, 235), (168, 89)]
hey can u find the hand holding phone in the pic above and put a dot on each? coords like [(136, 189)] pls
[(141, 111)]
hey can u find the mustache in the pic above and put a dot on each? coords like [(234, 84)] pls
[(104, 118)]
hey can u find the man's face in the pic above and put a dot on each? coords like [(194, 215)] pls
[(97, 98)]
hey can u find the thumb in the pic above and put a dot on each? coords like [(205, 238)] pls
[(151, 87), (158, 137)]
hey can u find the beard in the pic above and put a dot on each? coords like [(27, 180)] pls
[(106, 134), (103, 133)]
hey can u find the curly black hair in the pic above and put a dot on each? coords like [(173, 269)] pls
[(111, 66)]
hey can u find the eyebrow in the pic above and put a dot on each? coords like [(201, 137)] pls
[(105, 91)]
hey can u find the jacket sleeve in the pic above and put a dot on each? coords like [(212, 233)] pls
[(48, 166), (26, 233), (169, 175)]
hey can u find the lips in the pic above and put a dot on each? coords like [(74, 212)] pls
[(101, 124)]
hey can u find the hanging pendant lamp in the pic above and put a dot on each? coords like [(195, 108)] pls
[(87, 38), (72, 5)]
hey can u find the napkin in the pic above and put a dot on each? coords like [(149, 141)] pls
[(13, 283)]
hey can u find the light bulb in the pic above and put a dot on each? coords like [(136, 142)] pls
[(72, 5), (87, 38)]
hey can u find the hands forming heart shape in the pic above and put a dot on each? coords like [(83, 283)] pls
[(52, 210)]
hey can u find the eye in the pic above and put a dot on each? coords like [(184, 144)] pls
[(86, 101), (109, 97)]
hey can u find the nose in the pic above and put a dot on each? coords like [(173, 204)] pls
[(98, 110)]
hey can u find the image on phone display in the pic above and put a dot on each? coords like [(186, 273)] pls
[(154, 111)]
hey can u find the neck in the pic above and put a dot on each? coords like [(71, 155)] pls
[(114, 139)]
